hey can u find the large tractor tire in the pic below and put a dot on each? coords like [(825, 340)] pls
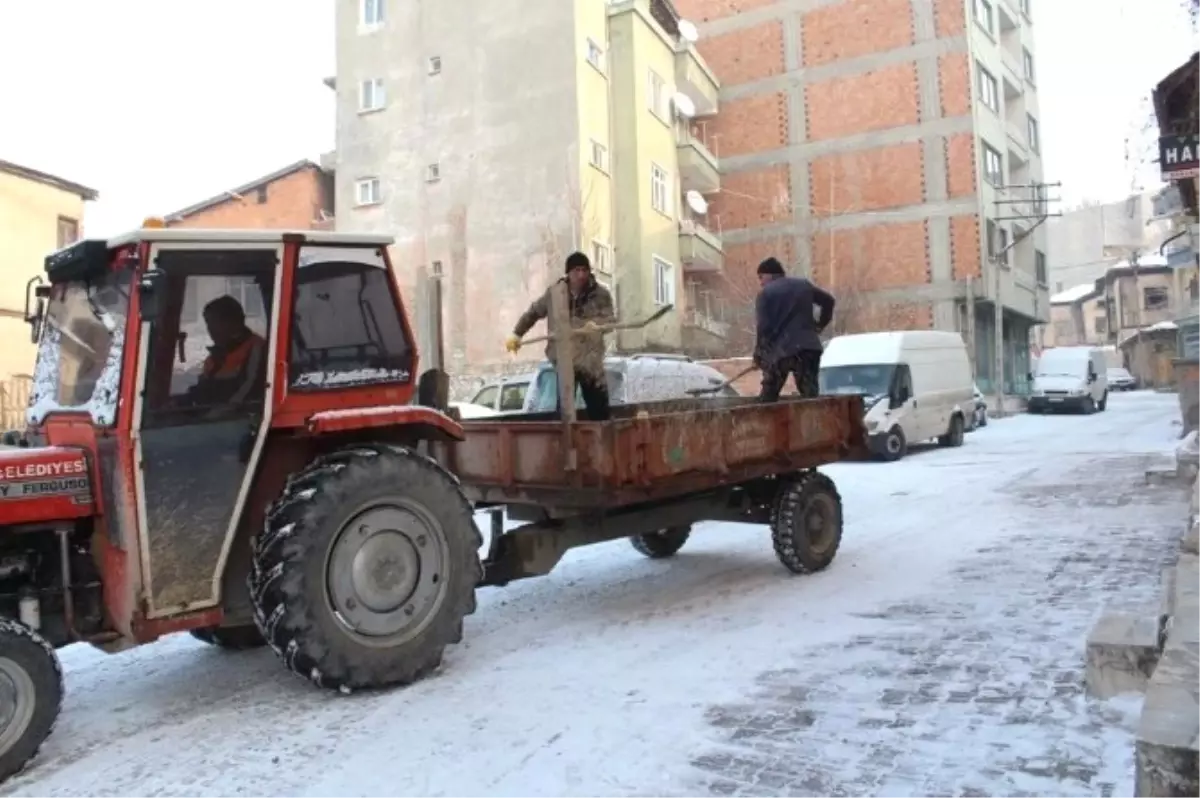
[(31, 693), (233, 638), (366, 567), (806, 522), (663, 543)]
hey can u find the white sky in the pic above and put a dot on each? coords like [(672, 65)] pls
[(161, 103)]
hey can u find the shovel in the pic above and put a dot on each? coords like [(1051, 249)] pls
[(607, 328), (722, 386)]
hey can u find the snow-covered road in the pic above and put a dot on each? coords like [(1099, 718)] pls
[(941, 653)]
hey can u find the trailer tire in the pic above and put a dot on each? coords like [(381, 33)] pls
[(806, 522), (663, 543), (366, 567), (31, 669), (231, 638)]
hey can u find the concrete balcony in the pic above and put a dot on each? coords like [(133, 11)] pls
[(1013, 76), (696, 80), (1008, 15), (702, 335), (698, 167), (1018, 148), (699, 250)]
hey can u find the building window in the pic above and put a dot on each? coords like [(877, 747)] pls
[(595, 55), (435, 65), (989, 91), (1039, 268), (601, 262), (660, 196), (436, 268), (1029, 73), (368, 192), (983, 15), (664, 282), (1025, 9), (993, 166), (599, 156), (68, 231), (370, 95), (997, 243), (1035, 141), (433, 173), (1155, 297), (656, 95), (372, 13), (1002, 251), (1100, 325), (260, 195)]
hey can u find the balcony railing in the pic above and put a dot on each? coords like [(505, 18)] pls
[(699, 248), (699, 168)]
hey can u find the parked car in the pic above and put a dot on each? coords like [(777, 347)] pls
[(915, 385), (1070, 378), (1119, 379), (979, 417), (631, 379)]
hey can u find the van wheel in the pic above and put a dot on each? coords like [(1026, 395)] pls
[(1089, 406), (954, 435), (1103, 402), (895, 445)]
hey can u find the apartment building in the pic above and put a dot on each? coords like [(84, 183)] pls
[(1125, 300), (890, 148), (491, 141), (39, 213)]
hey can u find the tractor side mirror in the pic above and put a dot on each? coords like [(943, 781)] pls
[(151, 295)]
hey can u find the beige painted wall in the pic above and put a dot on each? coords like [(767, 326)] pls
[(29, 214)]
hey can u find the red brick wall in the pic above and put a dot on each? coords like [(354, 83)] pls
[(878, 100), (752, 124), (870, 258), (753, 199), (954, 82), (950, 17), (745, 55), (964, 246), (705, 10), (960, 165), (292, 202), (867, 180), (856, 28)]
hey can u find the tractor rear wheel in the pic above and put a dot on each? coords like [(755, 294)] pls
[(806, 522), (366, 567), (234, 638), (663, 543), (31, 693)]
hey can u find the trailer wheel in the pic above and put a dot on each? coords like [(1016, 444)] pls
[(806, 523), (367, 566), (31, 693), (233, 638), (663, 543)]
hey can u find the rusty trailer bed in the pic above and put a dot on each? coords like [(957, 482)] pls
[(651, 452)]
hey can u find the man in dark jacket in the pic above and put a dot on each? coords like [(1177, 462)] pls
[(591, 305), (789, 331)]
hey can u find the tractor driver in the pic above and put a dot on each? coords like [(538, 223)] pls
[(235, 368)]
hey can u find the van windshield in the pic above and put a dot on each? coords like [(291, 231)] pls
[(1061, 366), (866, 379)]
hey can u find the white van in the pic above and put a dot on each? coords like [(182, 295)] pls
[(915, 385), (632, 379), (1070, 378)]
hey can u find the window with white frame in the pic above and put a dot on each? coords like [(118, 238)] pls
[(1025, 9), (983, 14), (1028, 60), (368, 191), (435, 65), (601, 260), (599, 156), (660, 193), (989, 90), (993, 166), (371, 95), (664, 282), (656, 95), (371, 13), (1035, 140), (433, 173), (595, 54)]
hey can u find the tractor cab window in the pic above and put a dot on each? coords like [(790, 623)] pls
[(347, 329), (79, 354)]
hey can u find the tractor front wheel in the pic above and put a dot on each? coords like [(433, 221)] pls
[(31, 693), (367, 565)]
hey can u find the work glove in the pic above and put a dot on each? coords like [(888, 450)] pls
[(512, 344)]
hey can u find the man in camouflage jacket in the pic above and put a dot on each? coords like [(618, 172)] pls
[(590, 305)]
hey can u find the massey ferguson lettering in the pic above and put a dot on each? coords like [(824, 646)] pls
[(71, 486), (23, 471)]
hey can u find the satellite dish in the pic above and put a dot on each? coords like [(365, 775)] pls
[(696, 202), (684, 105), (687, 31)]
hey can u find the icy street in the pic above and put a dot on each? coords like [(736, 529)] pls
[(941, 653)]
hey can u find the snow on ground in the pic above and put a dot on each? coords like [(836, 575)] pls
[(941, 653)]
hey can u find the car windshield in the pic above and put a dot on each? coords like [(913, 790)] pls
[(546, 397), (872, 379), (79, 354)]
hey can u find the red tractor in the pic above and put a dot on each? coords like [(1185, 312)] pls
[(192, 389)]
